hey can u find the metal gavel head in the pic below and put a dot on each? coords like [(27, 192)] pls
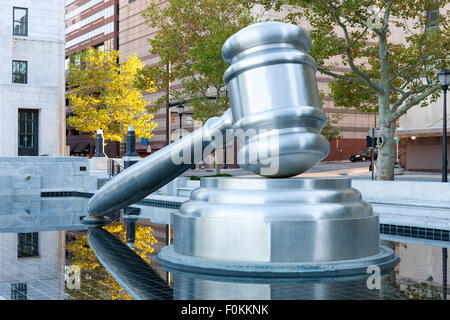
[(277, 114)]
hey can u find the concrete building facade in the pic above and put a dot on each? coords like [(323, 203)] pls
[(91, 23), (32, 78)]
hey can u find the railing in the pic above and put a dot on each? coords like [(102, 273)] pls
[(113, 168)]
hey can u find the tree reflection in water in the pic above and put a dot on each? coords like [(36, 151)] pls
[(96, 282)]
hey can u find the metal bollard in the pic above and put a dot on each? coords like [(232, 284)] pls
[(99, 144), (130, 157)]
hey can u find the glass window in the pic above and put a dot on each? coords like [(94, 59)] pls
[(26, 129), (19, 72), (20, 21), (66, 65), (28, 244), (432, 19), (18, 291)]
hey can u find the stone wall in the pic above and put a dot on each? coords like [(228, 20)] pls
[(33, 175)]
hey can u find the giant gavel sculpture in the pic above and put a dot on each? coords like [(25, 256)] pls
[(260, 225)]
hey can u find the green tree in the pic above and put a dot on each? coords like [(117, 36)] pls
[(104, 95), (189, 38), (329, 131), (385, 76)]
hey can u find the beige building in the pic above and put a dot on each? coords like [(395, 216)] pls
[(420, 132)]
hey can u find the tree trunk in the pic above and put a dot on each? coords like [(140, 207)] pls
[(386, 142), (386, 151)]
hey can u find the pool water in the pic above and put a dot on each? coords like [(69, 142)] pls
[(46, 253)]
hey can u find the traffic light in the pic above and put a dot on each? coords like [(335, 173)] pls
[(369, 142), (172, 117)]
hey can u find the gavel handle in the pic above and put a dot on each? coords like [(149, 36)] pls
[(158, 169)]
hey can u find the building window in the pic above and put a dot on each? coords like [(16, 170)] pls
[(20, 21), (18, 291), (19, 71), (432, 19), (28, 245)]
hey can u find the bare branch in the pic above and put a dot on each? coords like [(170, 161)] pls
[(387, 14), (349, 55), (340, 76), (400, 111), (409, 67)]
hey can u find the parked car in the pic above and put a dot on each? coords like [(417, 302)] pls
[(363, 155)]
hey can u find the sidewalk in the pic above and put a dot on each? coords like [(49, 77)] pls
[(331, 169)]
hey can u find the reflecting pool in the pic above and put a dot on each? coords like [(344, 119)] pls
[(47, 253)]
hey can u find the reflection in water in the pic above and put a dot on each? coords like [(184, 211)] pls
[(196, 286), (444, 271), (127, 268), (31, 266), (422, 272), (141, 281), (193, 286), (32, 213), (35, 247), (93, 275)]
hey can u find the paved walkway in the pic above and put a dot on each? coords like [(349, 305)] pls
[(334, 169), (331, 169)]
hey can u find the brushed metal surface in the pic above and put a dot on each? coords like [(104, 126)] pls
[(276, 220), (172, 261), (288, 225), (273, 91), (155, 171), (193, 286), (275, 111)]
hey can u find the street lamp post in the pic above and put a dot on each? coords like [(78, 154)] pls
[(180, 110), (444, 80), (167, 122), (177, 104)]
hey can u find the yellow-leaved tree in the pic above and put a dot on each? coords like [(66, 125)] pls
[(103, 95), (96, 282)]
